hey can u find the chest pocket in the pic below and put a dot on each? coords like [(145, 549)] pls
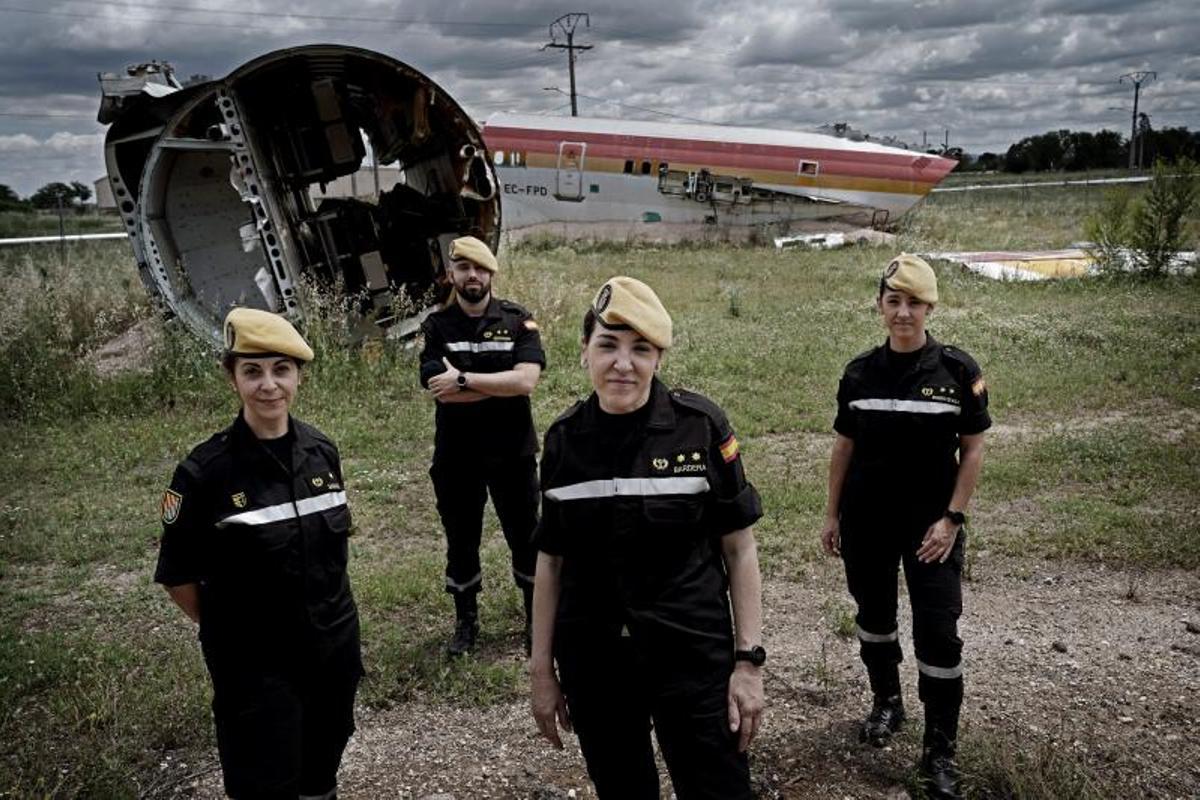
[(681, 510)]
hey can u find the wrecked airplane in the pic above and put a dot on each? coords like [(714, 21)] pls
[(219, 185)]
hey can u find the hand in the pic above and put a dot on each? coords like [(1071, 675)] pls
[(745, 703), (445, 383), (548, 705), (831, 536), (938, 542)]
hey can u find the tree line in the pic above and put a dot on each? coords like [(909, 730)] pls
[(1077, 151), (72, 194)]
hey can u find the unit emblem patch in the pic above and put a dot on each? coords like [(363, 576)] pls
[(239, 500), (318, 481), (172, 501), (660, 463)]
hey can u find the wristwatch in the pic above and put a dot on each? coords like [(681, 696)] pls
[(957, 517), (462, 381), (756, 655)]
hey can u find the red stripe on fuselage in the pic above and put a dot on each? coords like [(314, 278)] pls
[(724, 155)]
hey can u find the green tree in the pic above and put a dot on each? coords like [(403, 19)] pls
[(47, 196), (9, 201), (1157, 225)]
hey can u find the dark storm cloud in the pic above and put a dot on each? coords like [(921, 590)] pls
[(990, 72)]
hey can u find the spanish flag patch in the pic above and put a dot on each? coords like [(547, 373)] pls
[(979, 386), (530, 325), (729, 448)]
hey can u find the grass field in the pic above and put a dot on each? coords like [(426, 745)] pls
[(1095, 389)]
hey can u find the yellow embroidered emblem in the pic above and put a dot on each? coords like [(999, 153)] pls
[(318, 481), (660, 463), (695, 455), (239, 499)]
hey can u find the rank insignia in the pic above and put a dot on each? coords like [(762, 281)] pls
[(660, 463), (729, 448), (680, 458), (979, 386), (239, 499), (695, 455), (172, 501), (530, 325), (318, 481)]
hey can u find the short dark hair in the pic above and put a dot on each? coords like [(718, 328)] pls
[(589, 324), (229, 360)]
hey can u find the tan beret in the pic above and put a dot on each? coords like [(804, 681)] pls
[(630, 303), (910, 274), (253, 333), (471, 249)]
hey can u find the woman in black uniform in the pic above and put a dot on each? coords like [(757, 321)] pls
[(910, 428), (254, 550), (644, 540)]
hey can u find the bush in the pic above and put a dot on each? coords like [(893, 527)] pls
[(1144, 235)]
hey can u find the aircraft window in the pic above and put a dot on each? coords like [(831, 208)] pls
[(808, 168), (498, 158), (645, 167), (628, 166)]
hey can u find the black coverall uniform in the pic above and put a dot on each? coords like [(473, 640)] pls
[(905, 413), (261, 527), (484, 447), (636, 505)]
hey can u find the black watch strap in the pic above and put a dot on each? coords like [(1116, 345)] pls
[(957, 517), (756, 655)]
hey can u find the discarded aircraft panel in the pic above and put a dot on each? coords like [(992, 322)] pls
[(218, 185)]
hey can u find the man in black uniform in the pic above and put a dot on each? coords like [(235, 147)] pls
[(910, 423), (481, 361), (254, 549)]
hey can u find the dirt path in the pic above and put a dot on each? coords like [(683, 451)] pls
[(1094, 665)]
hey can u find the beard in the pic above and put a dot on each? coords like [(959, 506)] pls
[(474, 293)]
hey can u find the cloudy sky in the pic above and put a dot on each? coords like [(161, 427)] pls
[(990, 72)]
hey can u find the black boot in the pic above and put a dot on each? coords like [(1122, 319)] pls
[(466, 626), (886, 717), (939, 772)]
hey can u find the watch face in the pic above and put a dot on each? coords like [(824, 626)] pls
[(758, 656)]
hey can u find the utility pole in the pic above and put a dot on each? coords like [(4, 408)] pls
[(566, 24), (1137, 79)]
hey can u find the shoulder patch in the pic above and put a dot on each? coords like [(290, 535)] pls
[(530, 325), (979, 386), (172, 502), (729, 449)]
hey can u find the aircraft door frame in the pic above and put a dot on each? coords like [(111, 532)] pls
[(569, 180)]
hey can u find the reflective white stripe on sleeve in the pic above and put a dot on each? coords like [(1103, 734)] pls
[(479, 347), (867, 636), (905, 406), (946, 673), (282, 511), (628, 487), (458, 587)]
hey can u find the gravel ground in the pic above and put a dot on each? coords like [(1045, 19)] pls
[(1099, 666)]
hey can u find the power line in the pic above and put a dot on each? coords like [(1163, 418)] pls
[(1137, 79), (567, 24)]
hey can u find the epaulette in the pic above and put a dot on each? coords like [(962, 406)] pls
[(514, 308), (863, 356), (960, 357), (566, 415), (312, 432), (210, 449), (699, 402)]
